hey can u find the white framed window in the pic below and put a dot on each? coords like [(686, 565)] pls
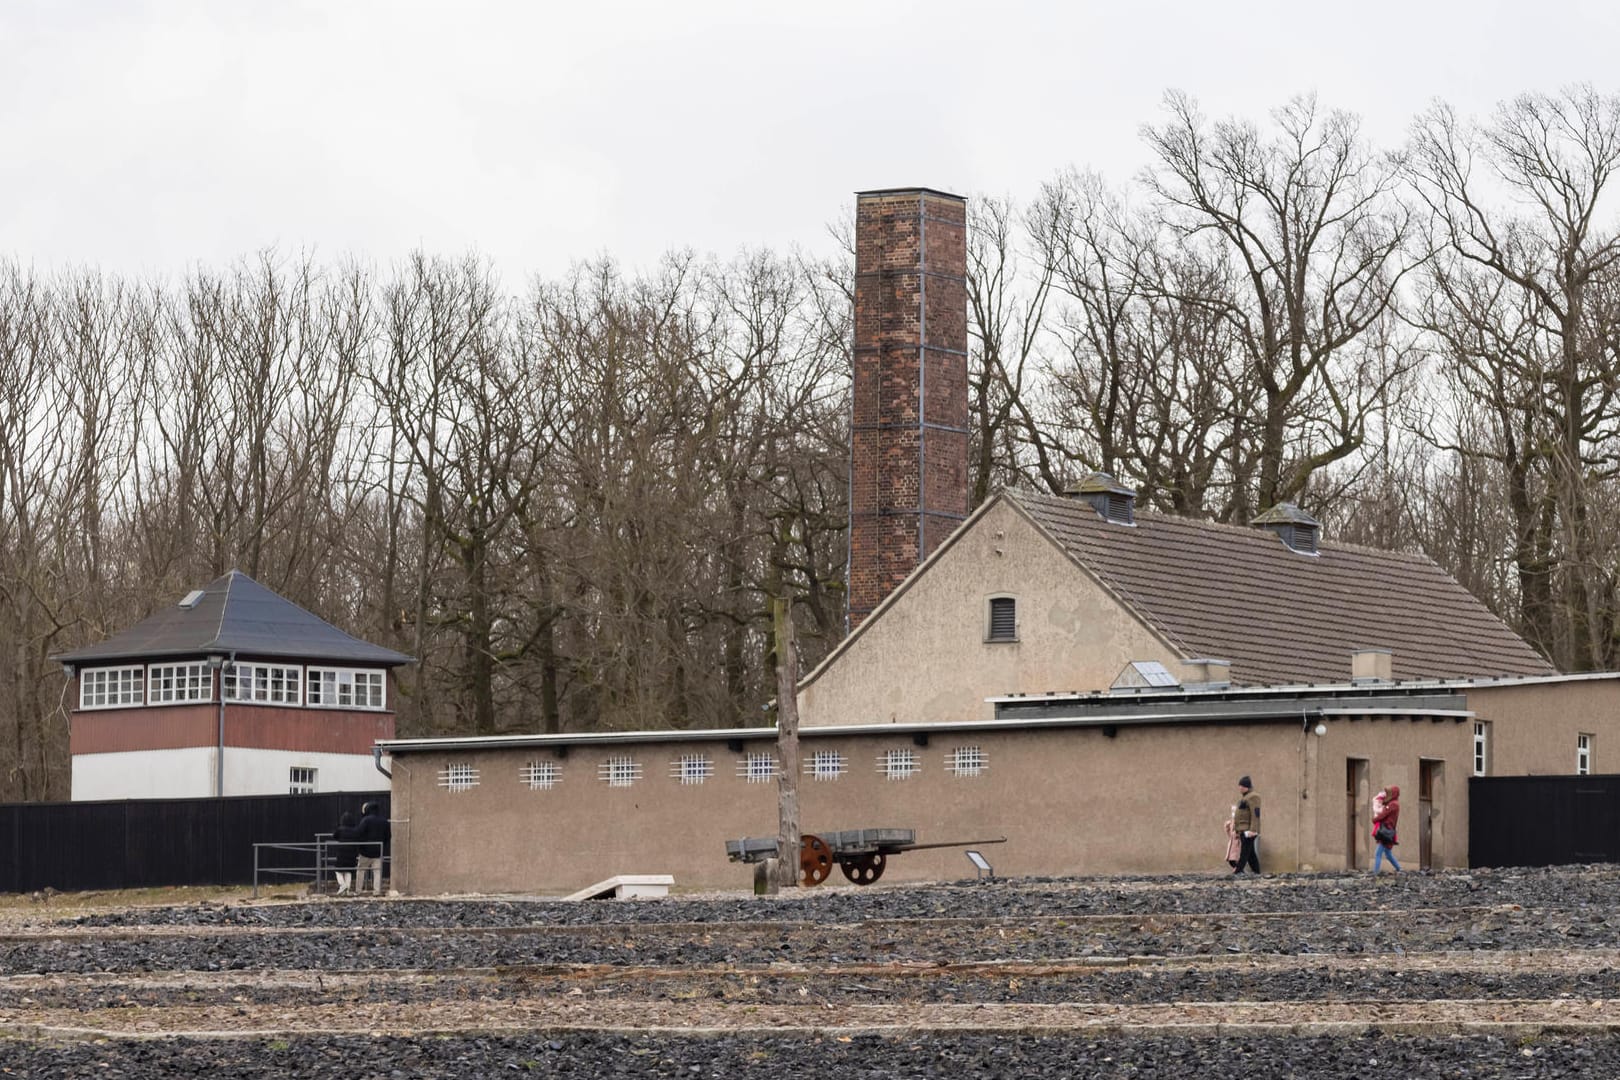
[(167, 683), (826, 765), (757, 768), (1001, 623), (458, 776), (692, 768), (899, 764), (968, 761), (300, 780), (540, 775), (347, 688), (1481, 733), (1583, 755), (267, 683), (111, 688), (619, 771)]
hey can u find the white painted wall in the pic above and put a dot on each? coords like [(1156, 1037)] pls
[(189, 773)]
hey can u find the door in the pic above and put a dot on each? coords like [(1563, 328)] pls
[(1428, 780), (1355, 836)]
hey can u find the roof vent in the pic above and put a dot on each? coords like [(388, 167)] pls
[(1145, 675), (1112, 500), (1297, 528), (193, 598)]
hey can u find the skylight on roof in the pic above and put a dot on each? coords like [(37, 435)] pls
[(1143, 674), (192, 598)]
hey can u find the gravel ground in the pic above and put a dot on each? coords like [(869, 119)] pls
[(1506, 973), (924, 1055)]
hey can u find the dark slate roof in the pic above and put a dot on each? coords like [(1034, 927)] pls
[(236, 615), (1231, 593)]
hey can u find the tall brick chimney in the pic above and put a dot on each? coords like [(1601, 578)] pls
[(908, 432)]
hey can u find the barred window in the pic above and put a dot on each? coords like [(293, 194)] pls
[(540, 775), (267, 683), (458, 776), (899, 764), (346, 688), (167, 683), (111, 688), (758, 768), (968, 761), (825, 765), (619, 771), (692, 768), (300, 780)]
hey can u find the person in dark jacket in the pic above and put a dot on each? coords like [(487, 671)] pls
[(373, 836), (1389, 814), (344, 851), (1246, 823)]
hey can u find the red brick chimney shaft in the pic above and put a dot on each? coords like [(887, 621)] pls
[(908, 432)]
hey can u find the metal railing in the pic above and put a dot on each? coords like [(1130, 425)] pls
[(316, 868)]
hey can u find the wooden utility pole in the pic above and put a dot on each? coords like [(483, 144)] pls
[(787, 742)]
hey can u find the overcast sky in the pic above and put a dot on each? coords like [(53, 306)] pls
[(149, 137)]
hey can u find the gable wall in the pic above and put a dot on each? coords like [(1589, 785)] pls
[(924, 658)]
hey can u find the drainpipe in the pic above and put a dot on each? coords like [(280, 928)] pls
[(376, 760), (218, 663)]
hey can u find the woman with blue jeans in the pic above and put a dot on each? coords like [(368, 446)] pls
[(1389, 813)]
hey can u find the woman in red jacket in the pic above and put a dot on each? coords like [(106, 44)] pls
[(1389, 815)]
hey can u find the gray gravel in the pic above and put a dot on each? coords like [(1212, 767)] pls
[(929, 1055)]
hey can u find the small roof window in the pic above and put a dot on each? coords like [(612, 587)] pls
[(192, 598)]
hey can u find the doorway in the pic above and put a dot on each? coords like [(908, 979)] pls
[(1429, 780), (1355, 782)]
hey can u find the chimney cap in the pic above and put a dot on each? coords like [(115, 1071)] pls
[(1098, 483), (880, 192)]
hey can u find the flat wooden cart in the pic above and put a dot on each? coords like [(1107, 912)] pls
[(862, 854)]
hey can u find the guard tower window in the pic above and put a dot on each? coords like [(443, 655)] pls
[(1003, 619)]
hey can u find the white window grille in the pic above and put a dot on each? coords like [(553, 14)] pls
[(758, 768), (540, 775), (266, 683), (619, 771), (347, 688), (899, 764), (1583, 755), (826, 765), (1480, 733), (300, 780), (1003, 619), (169, 683), (968, 761), (458, 776), (692, 768), (111, 688)]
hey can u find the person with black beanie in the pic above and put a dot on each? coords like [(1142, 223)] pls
[(1246, 822)]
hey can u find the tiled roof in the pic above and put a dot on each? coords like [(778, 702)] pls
[(1225, 592), (236, 615)]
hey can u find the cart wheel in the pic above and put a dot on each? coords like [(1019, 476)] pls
[(815, 860), (865, 868)]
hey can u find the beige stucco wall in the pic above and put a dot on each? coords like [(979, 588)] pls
[(1533, 726), (924, 658), (1070, 801), (1394, 750)]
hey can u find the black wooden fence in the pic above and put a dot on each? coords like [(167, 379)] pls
[(1543, 820), (150, 842)]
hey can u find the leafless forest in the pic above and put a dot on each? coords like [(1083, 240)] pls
[(574, 499)]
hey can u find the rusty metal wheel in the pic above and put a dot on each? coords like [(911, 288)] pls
[(865, 868), (815, 860)]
